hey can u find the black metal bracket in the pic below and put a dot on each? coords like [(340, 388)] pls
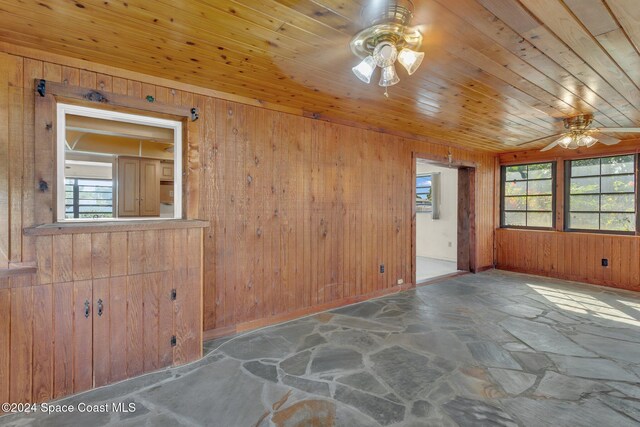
[(150, 98), (194, 114), (42, 87), (174, 294), (173, 341)]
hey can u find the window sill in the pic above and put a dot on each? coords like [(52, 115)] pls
[(113, 226)]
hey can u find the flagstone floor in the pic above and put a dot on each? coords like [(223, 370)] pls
[(494, 349)]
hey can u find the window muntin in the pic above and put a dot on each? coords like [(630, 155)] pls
[(601, 194), (528, 196)]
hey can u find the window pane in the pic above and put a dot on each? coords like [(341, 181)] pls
[(516, 172), (585, 185), (539, 219), (539, 203), (584, 203), (518, 219), (618, 203), (540, 187), (585, 167), (541, 170), (423, 181), (515, 188), (617, 222), (617, 165), (515, 203), (618, 184), (584, 221)]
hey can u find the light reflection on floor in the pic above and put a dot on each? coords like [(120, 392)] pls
[(583, 303)]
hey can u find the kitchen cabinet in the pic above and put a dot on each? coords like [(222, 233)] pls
[(138, 187)]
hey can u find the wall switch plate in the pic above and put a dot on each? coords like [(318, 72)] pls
[(400, 281), (381, 268), (605, 262)]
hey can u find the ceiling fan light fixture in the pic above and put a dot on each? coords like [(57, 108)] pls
[(389, 76), (385, 54), (410, 59), (364, 70), (565, 141), (586, 141), (387, 39)]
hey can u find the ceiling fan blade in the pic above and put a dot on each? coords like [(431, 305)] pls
[(619, 130), (544, 138), (606, 139), (550, 146)]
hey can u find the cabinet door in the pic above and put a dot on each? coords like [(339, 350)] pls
[(149, 187), (128, 187), (101, 308)]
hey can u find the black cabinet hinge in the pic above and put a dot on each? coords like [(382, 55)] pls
[(194, 114), (174, 294), (173, 341), (42, 87)]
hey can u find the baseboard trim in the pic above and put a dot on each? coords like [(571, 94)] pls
[(280, 318)]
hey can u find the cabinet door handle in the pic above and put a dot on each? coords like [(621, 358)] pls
[(86, 308), (100, 307)]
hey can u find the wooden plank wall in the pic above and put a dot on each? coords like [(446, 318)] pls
[(302, 211), (572, 256)]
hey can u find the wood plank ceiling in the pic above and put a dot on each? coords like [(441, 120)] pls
[(497, 73)]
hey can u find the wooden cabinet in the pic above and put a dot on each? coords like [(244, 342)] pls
[(138, 187), (110, 329)]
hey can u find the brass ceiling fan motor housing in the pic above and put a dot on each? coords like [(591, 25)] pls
[(578, 123), (388, 22)]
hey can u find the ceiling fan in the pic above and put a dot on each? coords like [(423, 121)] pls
[(373, 38), (581, 134)]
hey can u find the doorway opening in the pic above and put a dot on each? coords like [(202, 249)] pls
[(444, 219)]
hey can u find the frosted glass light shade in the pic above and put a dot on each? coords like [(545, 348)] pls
[(587, 141), (565, 141), (389, 76), (385, 54), (410, 59), (364, 70)]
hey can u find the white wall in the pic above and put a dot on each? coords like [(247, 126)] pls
[(434, 237)]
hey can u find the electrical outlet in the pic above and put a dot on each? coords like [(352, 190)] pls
[(381, 268), (605, 262), (400, 281)]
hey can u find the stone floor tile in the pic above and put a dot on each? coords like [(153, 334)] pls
[(490, 354), (335, 359), (406, 372), (475, 413), (558, 386), (513, 382), (592, 368), (383, 411), (543, 338)]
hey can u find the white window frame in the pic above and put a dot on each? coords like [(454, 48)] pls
[(61, 113)]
